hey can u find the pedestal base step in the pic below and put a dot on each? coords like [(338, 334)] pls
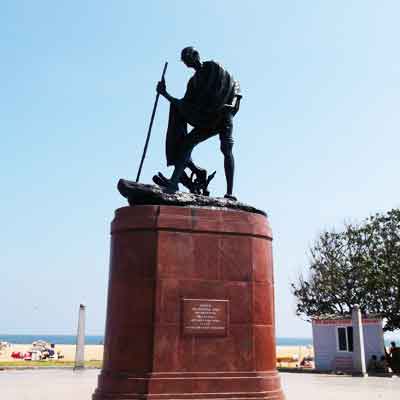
[(186, 386)]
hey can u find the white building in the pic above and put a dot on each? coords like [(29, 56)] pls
[(333, 341)]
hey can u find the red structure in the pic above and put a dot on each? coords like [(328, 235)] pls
[(190, 311)]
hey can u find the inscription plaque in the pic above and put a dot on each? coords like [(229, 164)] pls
[(205, 317)]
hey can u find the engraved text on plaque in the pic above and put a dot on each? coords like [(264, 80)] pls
[(205, 317)]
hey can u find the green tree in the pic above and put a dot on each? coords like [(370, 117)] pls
[(359, 265)]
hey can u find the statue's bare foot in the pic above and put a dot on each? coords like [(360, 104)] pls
[(161, 180), (230, 197), (165, 183), (195, 184)]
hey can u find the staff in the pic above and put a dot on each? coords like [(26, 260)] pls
[(150, 126)]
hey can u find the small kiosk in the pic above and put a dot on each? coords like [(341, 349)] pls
[(333, 341)]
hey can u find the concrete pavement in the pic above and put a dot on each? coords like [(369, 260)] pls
[(64, 384)]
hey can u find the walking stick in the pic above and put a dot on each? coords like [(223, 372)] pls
[(150, 126)]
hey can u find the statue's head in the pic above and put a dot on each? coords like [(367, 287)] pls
[(190, 56)]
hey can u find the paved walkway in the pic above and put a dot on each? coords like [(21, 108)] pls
[(333, 387), (67, 385)]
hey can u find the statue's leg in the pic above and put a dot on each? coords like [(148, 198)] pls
[(226, 129), (192, 139)]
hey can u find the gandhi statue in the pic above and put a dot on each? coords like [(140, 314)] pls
[(211, 101)]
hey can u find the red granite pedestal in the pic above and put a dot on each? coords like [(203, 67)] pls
[(190, 311)]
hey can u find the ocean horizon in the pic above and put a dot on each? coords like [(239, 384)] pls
[(99, 339)]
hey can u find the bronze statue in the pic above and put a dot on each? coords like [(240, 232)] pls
[(211, 100)]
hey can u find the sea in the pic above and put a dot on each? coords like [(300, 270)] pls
[(99, 339)]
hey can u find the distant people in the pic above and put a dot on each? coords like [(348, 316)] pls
[(372, 364), (17, 355), (382, 365), (394, 354), (307, 362), (51, 350)]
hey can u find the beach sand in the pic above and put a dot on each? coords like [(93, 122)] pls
[(92, 352), (95, 352)]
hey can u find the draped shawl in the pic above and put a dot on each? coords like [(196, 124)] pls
[(209, 89)]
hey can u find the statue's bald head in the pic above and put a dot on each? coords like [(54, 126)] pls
[(190, 56)]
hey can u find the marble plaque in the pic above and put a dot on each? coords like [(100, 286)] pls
[(205, 317)]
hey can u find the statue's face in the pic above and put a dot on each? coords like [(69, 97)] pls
[(190, 57), (188, 61)]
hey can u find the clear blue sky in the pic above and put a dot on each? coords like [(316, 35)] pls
[(316, 140)]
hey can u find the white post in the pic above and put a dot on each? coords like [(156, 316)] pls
[(359, 368), (80, 340)]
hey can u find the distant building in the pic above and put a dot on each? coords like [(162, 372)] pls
[(333, 341)]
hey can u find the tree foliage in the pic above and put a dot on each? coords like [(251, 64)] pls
[(359, 265)]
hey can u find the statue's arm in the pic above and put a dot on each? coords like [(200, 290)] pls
[(237, 98), (162, 90), (234, 107), (237, 103), (170, 98)]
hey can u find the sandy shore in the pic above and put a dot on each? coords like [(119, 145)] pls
[(92, 352), (290, 351), (95, 352)]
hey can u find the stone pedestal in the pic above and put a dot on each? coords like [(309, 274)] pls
[(190, 311)]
